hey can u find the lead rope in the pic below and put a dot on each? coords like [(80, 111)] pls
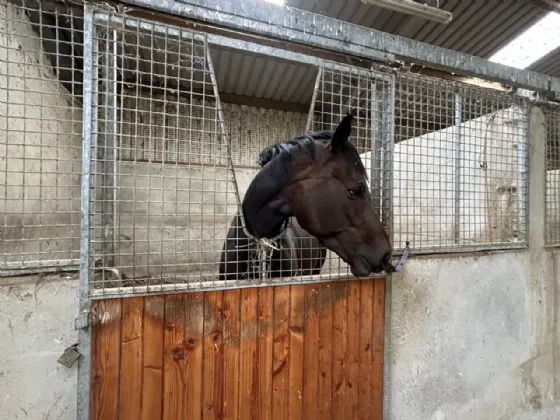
[(403, 258), (265, 246)]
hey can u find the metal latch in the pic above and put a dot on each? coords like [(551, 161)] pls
[(70, 356), (82, 321)]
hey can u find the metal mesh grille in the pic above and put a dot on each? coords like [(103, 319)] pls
[(460, 166), (161, 190), (552, 222), (40, 138), (369, 95)]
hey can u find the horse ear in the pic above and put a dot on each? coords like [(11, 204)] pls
[(264, 208), (342, 133)]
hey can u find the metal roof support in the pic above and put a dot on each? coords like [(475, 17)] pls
[(298, 26)]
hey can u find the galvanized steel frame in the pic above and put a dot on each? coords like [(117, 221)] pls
[(83, 320), (298, 26)]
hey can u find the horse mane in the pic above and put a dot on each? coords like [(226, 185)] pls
[(283, 150)]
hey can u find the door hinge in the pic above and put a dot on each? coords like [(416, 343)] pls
[(82, 321)]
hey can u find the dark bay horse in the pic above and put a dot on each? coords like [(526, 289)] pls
[(299, 253), (320, 180)]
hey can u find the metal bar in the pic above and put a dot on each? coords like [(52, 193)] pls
[(222, 41), (223, 129), (522, 175), (458, 157), (131, 291), (311, 115), (84, 335), (464, 249), (388, 158), (287, 23), (376, 149), (388, 195), (26, 271), (109, 148)]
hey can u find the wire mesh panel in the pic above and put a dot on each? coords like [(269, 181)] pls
[(460, 166), (162, 190), (169, 158), (40, 137), (552, 221), (369, 95)]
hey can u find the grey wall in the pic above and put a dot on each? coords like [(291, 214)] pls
[(36, 325), (473, 338)]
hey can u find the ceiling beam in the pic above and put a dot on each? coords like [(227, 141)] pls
[(301, 27), (548, 5)]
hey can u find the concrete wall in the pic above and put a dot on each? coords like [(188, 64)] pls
[(36, 325), (476, 338)]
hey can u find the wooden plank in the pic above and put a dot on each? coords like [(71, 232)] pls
[(339, 338), (131, 358), (213, 363), (310, 397), (248, 362), (365, 387), (295, 360), (107, 369), (94, 377), (280, 379), (378, 349), (232, 317), (174, 358), (325, 350), (352, 350), (194, 327), (264, 352), (152, 384)]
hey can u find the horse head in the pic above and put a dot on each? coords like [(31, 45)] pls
[(320, 180)]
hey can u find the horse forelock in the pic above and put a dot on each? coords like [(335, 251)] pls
[(306, 142)]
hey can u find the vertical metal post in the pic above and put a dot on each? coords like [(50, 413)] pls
[(522, 175), (458, 167), (311, 115), (82, 322), (376, 121), (388, 158), (109, 148)]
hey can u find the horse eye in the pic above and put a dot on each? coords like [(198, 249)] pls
[(355, 192)]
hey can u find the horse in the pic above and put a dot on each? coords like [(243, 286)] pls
[(320, 180), (298, 252)]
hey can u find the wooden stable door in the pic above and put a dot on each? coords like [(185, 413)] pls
[(286, 352)]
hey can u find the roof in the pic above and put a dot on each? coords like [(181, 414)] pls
[(549, 64), (478, 28)]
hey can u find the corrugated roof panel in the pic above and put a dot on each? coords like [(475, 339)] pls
[(515, 27), (549, 64)]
